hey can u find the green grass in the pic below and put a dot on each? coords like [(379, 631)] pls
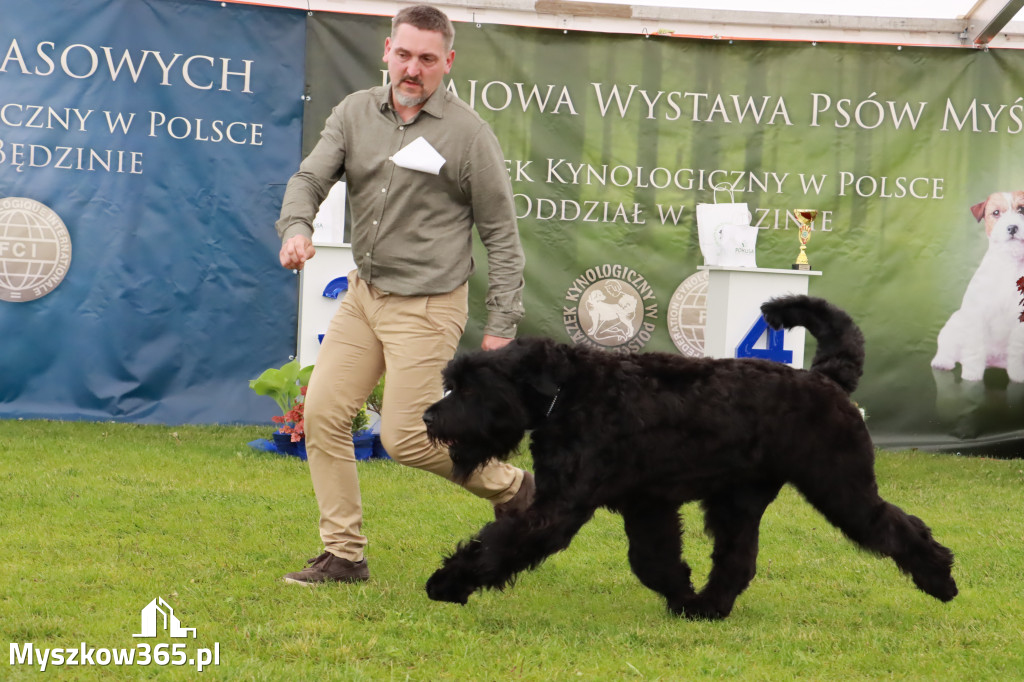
[(98, 519)]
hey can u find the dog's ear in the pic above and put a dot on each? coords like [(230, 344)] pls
[(543, 383), (541, 364), (979, 210)]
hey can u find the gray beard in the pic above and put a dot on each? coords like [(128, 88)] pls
[(407, 100)]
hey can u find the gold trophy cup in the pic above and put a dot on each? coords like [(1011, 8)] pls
[(804, 216)]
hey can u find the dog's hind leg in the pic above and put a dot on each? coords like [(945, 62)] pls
[(655, 550), (845, 492), (733, 519)]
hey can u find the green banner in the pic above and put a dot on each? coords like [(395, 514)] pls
[(613, 140)]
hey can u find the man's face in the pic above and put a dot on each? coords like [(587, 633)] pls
[(417, 62)]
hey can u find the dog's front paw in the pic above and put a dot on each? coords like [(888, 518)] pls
[(445, 586), (942, 587), (972, 373), (697, 608)]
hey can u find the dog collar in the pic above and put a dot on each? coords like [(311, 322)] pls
[(553, 401)]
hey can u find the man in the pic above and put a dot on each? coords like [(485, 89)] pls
[(406, 306)]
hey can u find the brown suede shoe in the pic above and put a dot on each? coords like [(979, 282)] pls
[(329, 568), (520, 501)]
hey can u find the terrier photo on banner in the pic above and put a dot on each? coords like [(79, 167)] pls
[(986, 331)]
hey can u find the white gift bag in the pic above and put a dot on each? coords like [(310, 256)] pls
[(726, 236)]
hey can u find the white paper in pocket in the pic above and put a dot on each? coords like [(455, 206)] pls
[(418, 155)]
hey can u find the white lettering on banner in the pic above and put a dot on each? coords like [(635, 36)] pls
[(44, 117), (564, 172), (568, 210), (623, 101), (702, 106), (149, 68), (867, 114), (670, 214), (994, 118), (876, 111), (20, 156), (80, 61), (519, 174), (890, 188), (498, 96), (181, 128)]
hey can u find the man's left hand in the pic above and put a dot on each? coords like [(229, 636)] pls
[(494, 342)]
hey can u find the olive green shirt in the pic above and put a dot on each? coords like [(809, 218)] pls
[(412, 230)]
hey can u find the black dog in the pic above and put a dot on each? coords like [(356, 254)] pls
[(641, 434)]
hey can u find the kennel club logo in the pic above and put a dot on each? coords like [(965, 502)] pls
[(611, 307), (35, 250), (687, 314)]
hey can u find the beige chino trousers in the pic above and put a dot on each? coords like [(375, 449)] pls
[(412, 338)]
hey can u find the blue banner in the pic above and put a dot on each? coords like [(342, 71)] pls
[(143, 147)]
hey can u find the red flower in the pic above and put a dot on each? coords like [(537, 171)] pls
[(294, 421)]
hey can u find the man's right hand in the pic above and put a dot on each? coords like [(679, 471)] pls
[(296, 251)]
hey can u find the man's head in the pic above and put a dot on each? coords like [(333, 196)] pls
[(418, 53), (426, 18)]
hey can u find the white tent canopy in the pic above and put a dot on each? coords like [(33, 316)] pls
[(921, 9), (950, 23)]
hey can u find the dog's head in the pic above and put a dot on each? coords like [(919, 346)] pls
[(492, 398), (1001, 211)]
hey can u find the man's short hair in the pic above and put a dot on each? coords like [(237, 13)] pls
[(425, 18)]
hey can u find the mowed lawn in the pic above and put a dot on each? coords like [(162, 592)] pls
[(99, 519)]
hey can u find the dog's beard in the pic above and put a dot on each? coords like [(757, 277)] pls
[(471, 445), (465, 462), (481, 419), (469, 455)]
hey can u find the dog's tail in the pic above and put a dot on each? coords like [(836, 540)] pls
[(840, 354)]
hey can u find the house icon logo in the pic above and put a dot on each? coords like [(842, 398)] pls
[(159, 612)]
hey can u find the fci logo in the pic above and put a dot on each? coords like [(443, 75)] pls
[(35, 250)]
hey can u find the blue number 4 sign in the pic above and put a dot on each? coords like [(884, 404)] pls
[(772, 351)]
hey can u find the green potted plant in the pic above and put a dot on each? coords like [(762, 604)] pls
[(287, 386), (375, 402)]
